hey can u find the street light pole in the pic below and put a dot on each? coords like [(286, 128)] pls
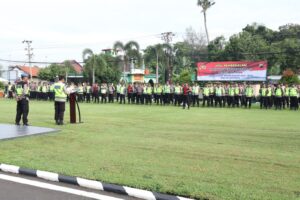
[(29, 54)]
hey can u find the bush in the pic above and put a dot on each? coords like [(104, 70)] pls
[(184, 77), (2, 86), (289, 77)]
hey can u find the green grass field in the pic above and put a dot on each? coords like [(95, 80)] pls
[(201, 153)]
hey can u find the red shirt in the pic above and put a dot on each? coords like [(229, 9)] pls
[(186, 90), (129, 89)]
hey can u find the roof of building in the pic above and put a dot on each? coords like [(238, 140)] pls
[(26, 69), (76, 66)]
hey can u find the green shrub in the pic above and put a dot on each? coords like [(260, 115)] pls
[(289, 77), (2, 86)]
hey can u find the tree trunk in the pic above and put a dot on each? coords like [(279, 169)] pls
[(205, 24)]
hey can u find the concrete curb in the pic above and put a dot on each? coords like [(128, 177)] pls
[(96, 185)]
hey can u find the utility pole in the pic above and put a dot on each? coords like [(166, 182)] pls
[(167, 38), (29, 54)]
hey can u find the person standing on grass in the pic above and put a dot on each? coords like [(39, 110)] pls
[(269, 96), (186, 93), (103, 92), (249, 95), (149, 94), (211, 95), (206, 95), (294, 93), (111, 91), (178, 92), (60, 92), (286, 96), (130, 89), (22, 97), (88, 93), (159, 98), (231, 92), (10, 89), (166, 92), (219, 94), (278, 97), (196, 92), (122, 93), (263, 96), (80, 92)]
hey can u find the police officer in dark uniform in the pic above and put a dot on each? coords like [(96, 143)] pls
[(22, 96)]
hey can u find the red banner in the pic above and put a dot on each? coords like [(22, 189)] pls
[(232, 71)]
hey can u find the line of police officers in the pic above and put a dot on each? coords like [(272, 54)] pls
[(213, 95)]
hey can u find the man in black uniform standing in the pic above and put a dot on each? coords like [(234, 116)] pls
[(22, 96)]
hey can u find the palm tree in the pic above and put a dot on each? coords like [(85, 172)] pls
[(205, 5), (86, 54), (130, 50)]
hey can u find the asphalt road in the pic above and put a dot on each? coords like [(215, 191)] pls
[(17, 187)]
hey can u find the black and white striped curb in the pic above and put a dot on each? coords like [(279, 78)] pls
[(123, 190)]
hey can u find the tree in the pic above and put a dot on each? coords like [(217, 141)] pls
[(105, 67), (245, 46), (205, 5), (184, 77), (216, 49), (86, 54), (130, 52), (54, 70)]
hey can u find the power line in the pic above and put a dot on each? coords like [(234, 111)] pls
[(191, 54)]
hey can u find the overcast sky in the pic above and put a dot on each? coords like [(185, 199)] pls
[(61, 29)]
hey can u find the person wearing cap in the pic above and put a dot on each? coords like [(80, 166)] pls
[(60, 93), (22, 97)]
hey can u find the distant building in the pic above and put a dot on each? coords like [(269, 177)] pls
[(14, 72), (78, 75)]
